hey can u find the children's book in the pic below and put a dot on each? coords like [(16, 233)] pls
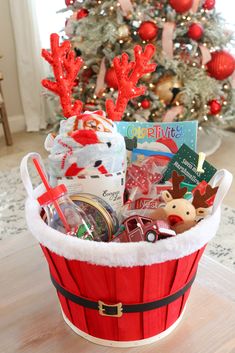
[(164, 139)]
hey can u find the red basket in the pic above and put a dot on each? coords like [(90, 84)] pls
[(165, 285), (123, 294)]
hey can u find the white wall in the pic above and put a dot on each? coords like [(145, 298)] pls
[(8, 67)]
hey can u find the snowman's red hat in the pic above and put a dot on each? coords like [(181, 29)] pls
[(168, 143)]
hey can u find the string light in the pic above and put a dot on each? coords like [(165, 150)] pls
[(94, 96), (194, 64), (192, 110), (225, 102), (225, 86), (203, 66), (121, 41), (205, 118)]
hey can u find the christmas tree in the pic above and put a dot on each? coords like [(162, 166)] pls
[(193, 79)]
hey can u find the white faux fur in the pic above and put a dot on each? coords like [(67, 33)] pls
[(120, 254)]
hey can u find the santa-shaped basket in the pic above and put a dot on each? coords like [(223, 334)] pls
[(123, 294)]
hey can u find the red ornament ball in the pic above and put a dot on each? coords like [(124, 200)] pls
[(209, 5), (215, 107), (111, 78), (69, 2), (145, 104), (195, 31), (181, 6), (148, 30), (82, 13), (87, 73), (221, 65)]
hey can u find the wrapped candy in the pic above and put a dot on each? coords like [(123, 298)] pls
[(143, 175), (142, 187)]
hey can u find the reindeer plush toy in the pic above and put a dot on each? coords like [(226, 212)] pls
[(179, 212)]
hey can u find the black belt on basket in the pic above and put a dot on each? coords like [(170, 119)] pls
[(116, 310)]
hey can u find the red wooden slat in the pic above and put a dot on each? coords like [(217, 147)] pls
[(72, 283), (183, 269), (157, 284), (193, 270), (55, 273)]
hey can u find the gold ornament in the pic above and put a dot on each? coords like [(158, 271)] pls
[(146, 77), (168, 89), (123, 32)]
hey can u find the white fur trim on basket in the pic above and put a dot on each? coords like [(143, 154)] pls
[(120, 254)]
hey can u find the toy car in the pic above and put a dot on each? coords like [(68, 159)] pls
[(138, 228)]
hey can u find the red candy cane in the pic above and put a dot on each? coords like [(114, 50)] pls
[(68, 153)]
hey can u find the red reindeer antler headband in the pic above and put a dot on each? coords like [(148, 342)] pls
[(66, 67)]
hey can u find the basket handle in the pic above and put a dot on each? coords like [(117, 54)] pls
[(24, 172), (223, 179)]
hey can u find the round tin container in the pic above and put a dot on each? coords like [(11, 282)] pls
[(103, 215)]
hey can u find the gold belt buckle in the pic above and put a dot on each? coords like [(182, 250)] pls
[(102, 309)]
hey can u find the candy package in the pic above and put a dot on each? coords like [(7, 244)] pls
[(142, 186)]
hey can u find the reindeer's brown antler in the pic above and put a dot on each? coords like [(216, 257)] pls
[(177, 192), (65, 67), (200, 200), (128, 75)]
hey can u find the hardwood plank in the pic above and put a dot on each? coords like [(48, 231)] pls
[(14, 244)]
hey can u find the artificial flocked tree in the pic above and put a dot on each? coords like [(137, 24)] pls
[(194, 77)]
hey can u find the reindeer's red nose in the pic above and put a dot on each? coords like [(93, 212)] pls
[(174, 219)]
